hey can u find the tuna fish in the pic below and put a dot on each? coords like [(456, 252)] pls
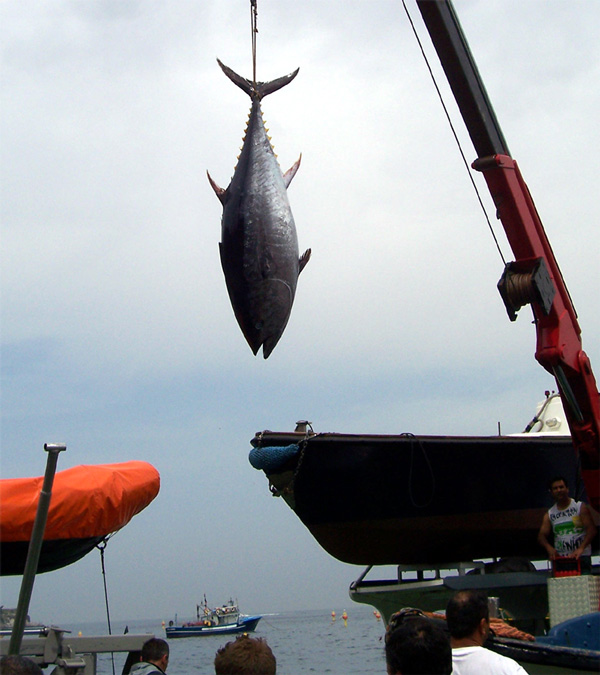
[(259, 244)]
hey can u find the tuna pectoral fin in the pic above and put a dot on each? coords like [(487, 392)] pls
[(219, 191), (261, 89), (304, 259), (291, 172)]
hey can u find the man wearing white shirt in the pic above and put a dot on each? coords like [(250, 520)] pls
[(468, 619)]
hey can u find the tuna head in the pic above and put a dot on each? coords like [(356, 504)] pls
[(259, 244)]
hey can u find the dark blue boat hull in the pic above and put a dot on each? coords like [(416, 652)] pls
[(404, 499)]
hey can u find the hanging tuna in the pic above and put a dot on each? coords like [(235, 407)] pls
[(259, 244)]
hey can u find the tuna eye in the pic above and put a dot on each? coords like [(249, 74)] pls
[(259, 325)]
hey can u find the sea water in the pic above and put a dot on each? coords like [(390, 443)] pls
[(302, 641)]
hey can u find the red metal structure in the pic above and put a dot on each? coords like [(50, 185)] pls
[(534, 277)]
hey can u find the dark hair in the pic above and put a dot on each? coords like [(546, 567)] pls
[(465, 611), (19, 665), (245, 656), (555, 480), (418, 647), (154, 649)]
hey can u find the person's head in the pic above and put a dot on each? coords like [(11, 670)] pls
[(156, 651), (417, 646), (468, 615), (19, 665), (559, 489), (245, 656)]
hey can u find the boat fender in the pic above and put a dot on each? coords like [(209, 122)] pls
[(272, 458)]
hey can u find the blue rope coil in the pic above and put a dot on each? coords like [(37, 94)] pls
[(271, 458)]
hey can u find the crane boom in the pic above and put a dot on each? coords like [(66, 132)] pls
[(534, 277)]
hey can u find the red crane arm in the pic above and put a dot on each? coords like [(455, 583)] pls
[(535, 278)]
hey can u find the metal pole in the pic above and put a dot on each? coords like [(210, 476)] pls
[(35, 547)]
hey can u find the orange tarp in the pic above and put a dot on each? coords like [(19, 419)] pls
[(87, 501)]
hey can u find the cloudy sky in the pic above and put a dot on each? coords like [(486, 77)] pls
[(117, 333)]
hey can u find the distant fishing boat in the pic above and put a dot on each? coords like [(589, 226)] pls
[(223, 620)]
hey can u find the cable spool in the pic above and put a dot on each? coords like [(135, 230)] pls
[(526, 282), (519, 289)]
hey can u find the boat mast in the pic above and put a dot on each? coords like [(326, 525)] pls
[(35, 547)]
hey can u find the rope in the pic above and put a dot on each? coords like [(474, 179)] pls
[(254, 29), (309, 434), (412, 497), (520, 289), (462, 154), (101, 546)]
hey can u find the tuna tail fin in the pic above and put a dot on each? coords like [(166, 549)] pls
[(259, 89)]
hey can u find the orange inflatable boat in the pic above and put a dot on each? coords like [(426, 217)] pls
[(88, 503)]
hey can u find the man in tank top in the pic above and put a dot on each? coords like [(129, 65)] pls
[(571, 525)]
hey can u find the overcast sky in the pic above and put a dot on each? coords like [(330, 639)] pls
[(118, 338)]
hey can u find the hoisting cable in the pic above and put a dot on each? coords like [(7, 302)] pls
[(254, 29), (421, 447), (462, 154), (101, 546)]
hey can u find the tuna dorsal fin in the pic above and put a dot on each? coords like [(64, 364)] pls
[(261, 89), (291, 172), (219, 191), (303, 260)]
